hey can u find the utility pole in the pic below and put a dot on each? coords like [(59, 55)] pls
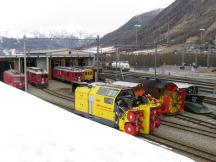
[(116, 64), (155, 60), (215, 40), (19, 65), (168, 30), (117, 57), (183, 56), (136, 27), (25, 72), (208, 56), (201, 43), (97, 55)]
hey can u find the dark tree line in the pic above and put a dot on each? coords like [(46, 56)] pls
[(148, 60)]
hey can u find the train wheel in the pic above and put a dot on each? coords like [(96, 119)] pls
[(131, 117), (129, 128)]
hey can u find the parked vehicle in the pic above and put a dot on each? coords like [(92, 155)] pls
[(14, 78), (37, 76)]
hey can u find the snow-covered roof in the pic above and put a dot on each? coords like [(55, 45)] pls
[(36, 70), (183, 85), (125, 84), (36, 131), (14, 73), (69, 69)]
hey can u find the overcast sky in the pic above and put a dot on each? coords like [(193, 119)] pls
[(93, 16)]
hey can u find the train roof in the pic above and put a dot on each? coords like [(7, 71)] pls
[(14, 73), (126, 84), (36, 70), (108, 85), (183, 85), (30, 132), (68, 69)]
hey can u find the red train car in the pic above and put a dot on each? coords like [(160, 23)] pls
[(37, 76), (68, 74), (14, 78)]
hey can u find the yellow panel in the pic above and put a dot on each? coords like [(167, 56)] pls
[(146, 119), (88, 74), (81, 99), (100, 108)]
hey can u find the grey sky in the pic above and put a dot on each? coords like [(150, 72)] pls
[(95, 16)]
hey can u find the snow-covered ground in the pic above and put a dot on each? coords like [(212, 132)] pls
[(200, 73), (33, 130)]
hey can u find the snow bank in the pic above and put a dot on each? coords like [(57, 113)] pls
[(33, 130)]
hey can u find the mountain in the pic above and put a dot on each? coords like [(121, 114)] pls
[(127, 33), (184, 18), (177, 24), (42, 43)]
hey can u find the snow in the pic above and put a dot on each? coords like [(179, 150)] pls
[(183, 85), (146, 51), (125, 84), (36, 131), (104, 49)]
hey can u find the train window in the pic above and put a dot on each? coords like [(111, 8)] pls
[(17, 79), (38, 76), (112, 92), (108, 100), (44, 76), (127, 92), (102, 91), (86, 73)]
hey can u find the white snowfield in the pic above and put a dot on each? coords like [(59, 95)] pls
[(33, 130)]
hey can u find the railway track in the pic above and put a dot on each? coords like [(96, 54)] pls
[(196, 130), (197, 121), (59, 95), (196, 152), (202, 84), (209, 100), (213, 116)]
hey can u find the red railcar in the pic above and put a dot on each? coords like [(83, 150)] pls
[(37, 76), (14, 79), (68, 74)]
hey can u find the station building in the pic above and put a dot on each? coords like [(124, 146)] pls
[(46, 59)]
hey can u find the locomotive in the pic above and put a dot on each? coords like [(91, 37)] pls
[(14, 78), (71, 74), (68, 74), (88, 73), (37, 76), (116, 106)]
